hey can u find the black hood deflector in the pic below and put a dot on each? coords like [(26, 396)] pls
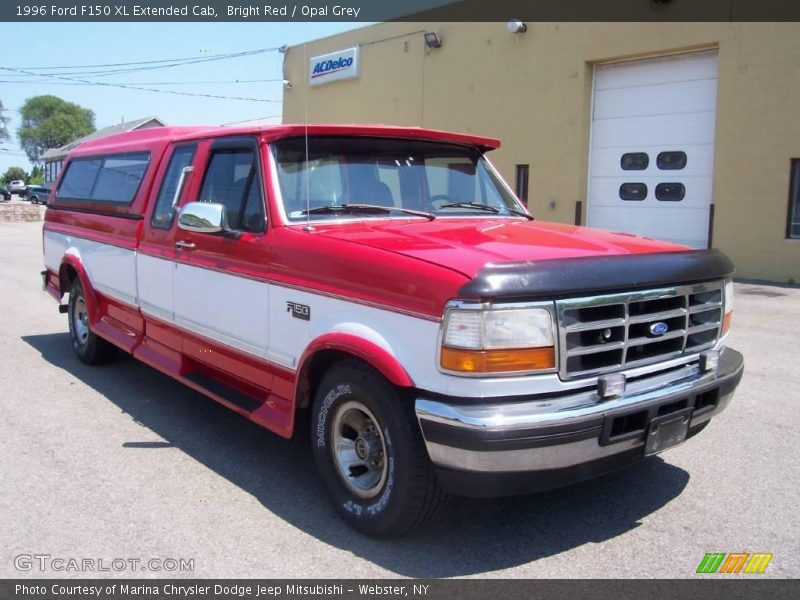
[(565, 277)]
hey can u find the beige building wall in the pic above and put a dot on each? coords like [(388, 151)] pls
[(534, 91)]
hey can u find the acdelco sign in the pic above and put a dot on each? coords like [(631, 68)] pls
[(333, 67)]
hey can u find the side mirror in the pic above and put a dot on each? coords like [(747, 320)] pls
[(203, 217)]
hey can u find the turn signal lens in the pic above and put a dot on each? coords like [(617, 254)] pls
[(726, 322), (728, 316), (498, 361)]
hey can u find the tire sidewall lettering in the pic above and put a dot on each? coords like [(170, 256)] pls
[(331, 397)]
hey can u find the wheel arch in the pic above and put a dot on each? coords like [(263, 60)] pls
[(331, 348), (71, 268)]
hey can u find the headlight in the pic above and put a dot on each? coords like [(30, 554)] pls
[(498, 340), (728, 316)]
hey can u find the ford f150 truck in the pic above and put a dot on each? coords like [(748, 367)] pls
[(388, 281)]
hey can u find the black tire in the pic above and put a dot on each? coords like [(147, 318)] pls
[(405, 493), (90, 348), (34, 200)]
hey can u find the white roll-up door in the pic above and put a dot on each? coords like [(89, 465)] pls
[(651, 159)]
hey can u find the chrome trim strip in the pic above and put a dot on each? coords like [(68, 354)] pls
[(530, 459), (564, 410)]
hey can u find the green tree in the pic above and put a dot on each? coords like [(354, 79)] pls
[(50, 122), (37, 175), (13, 173), (3, 123)]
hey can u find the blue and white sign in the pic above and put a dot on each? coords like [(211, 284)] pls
[(335, 66)]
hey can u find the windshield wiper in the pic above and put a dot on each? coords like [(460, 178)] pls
[(486, 207), (342, 208)]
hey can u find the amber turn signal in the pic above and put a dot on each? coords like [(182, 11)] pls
[(726, 322), (498, 361)]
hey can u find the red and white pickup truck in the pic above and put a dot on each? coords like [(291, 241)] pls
[(388, 281)]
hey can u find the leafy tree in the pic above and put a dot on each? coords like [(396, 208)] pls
[(50, 122), (37, 175), (13, 173), (3, 124)]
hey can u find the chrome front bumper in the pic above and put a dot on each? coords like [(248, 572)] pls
[(569, 433)]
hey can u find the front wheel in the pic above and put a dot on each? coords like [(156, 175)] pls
[(370, 454), (90, 348)]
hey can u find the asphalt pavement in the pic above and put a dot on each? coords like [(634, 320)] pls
[(122, 463)]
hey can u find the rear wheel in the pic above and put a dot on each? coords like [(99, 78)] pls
[(90, 348), (370, 454)]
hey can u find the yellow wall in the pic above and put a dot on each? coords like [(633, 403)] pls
[(533, 91)]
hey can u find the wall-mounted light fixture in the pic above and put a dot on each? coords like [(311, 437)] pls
[(516, 26), (432, 40)]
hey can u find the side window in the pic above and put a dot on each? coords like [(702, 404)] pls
[(232, 180), (163, 213), (80, 178), (114, 178), (119, 178)]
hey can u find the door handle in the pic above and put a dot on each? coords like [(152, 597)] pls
[(183, 245)]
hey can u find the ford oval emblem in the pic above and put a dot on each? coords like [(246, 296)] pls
[(659, 328)]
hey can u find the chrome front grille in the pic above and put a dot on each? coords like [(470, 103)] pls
[(607, 333)]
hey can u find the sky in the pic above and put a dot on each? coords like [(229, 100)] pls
[(77, 44)]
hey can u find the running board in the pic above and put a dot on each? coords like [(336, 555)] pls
[(227, 393)]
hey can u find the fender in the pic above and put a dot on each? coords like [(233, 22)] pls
[(380, 359), (92, 302)]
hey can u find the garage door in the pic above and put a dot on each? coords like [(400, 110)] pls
[(652, 147)]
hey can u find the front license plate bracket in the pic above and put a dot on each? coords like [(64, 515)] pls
[(667, 431)]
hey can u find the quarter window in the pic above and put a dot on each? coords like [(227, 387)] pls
[(634, 161), (671, 161), (633, 191), (164, 213), (670, 192)]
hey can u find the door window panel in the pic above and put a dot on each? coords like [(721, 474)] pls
[(232, 180)]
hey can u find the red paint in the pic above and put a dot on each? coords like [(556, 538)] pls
[(105, 229), (467, 244)]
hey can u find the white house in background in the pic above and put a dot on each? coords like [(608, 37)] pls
[(54, 157)]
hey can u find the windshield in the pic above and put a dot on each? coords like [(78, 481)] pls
[(344, 175)]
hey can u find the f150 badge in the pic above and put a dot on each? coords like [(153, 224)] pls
[(299, 311)]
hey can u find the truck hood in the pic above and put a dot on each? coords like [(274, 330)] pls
[(466, 245)]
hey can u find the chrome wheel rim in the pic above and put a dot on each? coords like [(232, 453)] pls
[(80, 321), (359, 449)]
